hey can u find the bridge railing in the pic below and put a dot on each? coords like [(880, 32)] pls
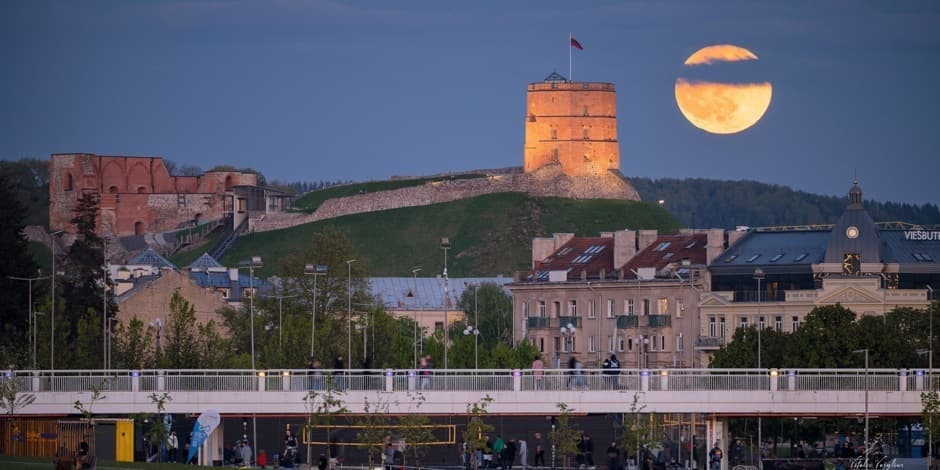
[(483, 380)]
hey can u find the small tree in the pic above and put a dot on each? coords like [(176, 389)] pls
[(87, 413), (323, 407), (11, 400), (154, 429), (477, 429), (564, 436), (637, 431), (416, 429), (375, 420)]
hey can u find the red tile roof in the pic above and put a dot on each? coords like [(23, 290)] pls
[(591, 254), (669, 249)]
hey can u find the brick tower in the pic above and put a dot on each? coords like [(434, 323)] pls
[(573, 124)]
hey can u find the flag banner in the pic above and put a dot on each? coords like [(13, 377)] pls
[(575, 44), (207, 422)]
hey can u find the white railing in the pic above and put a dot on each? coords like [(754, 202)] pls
[(462, 380)]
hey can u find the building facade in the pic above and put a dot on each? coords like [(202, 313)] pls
[(572, 124), (772, 278), (137, 195)]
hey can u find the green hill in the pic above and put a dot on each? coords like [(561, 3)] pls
[(489, 234), (311, 201)]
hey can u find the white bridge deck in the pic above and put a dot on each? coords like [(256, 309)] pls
[(721, 392)]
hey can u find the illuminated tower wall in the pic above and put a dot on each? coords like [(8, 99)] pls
[(573, 124)]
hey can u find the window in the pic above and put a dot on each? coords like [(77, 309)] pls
[(690, 245), (68, 182), (663, 306), (760, 322), (628, 307), (555, 155), (594, 249), (652, 343), (438, 326), (778, 323), (564, 251), (572, 308), (611, 343), (542, 308), (586, 136), (630, 344), (586, 113), (646, 306), (556, 309), (662, 342), (721, 327), (795, 323), (591, 344), (731, 258), (777, 257), (801, 257), (680, 342), (712, 326), (554, 134), (592, 310), (620, 344), (680, 306), (541, 345), (525, 310), (662, 246), (753, 258), (180, 199), (610, 308), (743, 322), (557, 344)]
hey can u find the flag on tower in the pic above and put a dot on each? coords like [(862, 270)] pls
[(575, 44)]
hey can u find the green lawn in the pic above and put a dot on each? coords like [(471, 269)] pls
[(186, 256), (41, 462), (312, 200), (490, 234)]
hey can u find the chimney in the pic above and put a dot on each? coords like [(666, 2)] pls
[(541, 248), (561, 239), (233, 274), (716, 245), (624, 247), (647, 237)]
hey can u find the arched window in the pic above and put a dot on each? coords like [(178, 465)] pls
[(139, 228), (68, 181), (228, 183), (141, 189), (113, 189)]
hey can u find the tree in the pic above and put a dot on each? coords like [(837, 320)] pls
[(16, 263), (181, 345), (477, 428), (416, 429), (323, 408), (132, 347), (374, 422), (155, 429), (11, 400), (488, 304), (87, 413), (637, 429), (564, 435)]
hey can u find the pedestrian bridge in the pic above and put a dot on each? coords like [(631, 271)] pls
[(719, 392)]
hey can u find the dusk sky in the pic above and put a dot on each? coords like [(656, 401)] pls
[(362, 90)]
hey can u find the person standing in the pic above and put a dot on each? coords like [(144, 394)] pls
[(539, 451), (247, 453), (714, 458), (339, 369), (523, 454), (172, 447), (537, 367), (613, 456)]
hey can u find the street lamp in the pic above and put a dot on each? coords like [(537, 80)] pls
[(445, 245), (32, 318), (254, 262), (471, 330), (759, 276), (859, 351), (349, 312), (567, 334), (314, 270), (52, 311)]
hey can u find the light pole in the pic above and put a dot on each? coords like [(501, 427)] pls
[(471, 330), (445, 245), (759, 276), (52, 241), (314, 270), (867, 444), (280, 316), (349, 312), (930, 381), (104, 303), (414, 273), (567, 334), (636, 309), (31, 332), (254, 262)]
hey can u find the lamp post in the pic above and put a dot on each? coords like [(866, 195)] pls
[(254, 262), (759, 276), (859, 351), (314, 270), (32, 319), (930, 380), (445, 245), (104, 303), (414, 273), (280, 316), (636, 309), (52, 311), (567, 334), (471, 330), (349, 312)]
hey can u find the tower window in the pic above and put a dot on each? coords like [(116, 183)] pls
[(554, 134), (586, 136), (555, 155), (586, 113)]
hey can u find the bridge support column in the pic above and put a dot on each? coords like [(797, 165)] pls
[(902, 380), (717, 434)]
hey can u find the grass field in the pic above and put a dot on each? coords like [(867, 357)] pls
[(183, 257), (312, 200), (40, 463), (490, 234)]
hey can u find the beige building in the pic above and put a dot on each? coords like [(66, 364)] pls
[(629, 293)]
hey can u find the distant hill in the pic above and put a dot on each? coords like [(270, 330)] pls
[(708, 203), (490, 234)]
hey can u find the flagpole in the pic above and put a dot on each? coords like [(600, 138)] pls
[(570, 76)]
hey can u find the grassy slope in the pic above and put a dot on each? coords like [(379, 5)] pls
[(312, 200), (490, 234), (183, 257)]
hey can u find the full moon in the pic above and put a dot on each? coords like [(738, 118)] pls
[(722, 108)]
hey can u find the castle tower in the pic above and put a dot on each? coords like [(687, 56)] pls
[(573, 124)]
